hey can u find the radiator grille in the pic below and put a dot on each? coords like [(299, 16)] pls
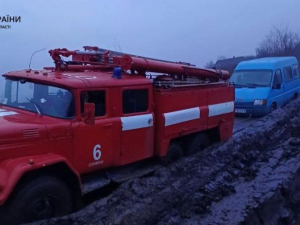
[(30, 133)]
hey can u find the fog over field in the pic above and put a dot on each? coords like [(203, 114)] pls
[(193, 30)]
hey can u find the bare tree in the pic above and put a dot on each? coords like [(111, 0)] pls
[(297, 51), (209, 65), (280, 42)]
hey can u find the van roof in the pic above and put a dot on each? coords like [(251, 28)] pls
[(270, 63)]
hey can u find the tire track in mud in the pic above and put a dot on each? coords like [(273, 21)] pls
[(225, 184)]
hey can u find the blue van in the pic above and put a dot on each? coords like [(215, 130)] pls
[(262, 85)]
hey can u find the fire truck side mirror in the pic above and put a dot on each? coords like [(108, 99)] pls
[(89, 113)]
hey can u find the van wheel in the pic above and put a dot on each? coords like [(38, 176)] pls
[(295, 96), (174, 152), (197, 144), (273, 106), (42, 198)]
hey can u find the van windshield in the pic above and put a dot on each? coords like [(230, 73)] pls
[(39, 98), (257, 78)]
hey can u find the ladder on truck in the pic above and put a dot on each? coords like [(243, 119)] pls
[(166, 72)]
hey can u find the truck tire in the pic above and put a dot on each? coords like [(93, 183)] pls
[(3, 215), (41, 198), (197, 144), (174, 152)]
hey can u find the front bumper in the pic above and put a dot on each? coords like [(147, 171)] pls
[(251, 109)]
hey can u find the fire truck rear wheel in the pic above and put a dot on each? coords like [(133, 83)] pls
[(197, 143), (42, 198), (174, 152)]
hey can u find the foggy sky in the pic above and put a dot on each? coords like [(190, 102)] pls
[(194, 31)]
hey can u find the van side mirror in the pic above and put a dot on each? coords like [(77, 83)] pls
[(277, 86), (89, 113)]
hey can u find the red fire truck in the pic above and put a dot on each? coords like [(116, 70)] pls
[(68, 130)]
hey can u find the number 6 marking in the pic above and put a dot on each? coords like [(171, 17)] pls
[(97, 152)]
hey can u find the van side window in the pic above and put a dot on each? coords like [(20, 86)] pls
[(295, 70), (96, 97), (287, 74), (135, 101), (277, 78)]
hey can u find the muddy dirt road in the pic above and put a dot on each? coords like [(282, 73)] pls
[(251, 179), (240, 123)]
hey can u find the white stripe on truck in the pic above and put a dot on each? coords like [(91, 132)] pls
[(222, 108), (7, 113), (136, 122), (181, 116)]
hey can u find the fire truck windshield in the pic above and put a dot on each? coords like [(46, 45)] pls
[(42, 99)]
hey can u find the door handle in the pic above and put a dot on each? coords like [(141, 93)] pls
[(107, 125)]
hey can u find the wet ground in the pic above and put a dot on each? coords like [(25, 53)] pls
[(251, 179), (241, 123)]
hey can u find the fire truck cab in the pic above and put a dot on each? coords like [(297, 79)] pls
[(63, 128)]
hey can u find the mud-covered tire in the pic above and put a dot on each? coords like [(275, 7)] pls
[(41, 198), (273, 106), (3, 215), (295, 96), (197, 143), (174, 152)]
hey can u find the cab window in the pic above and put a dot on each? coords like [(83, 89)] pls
[(96, 97), (277, 78), (295, 70), (287, 74), (135, 101)]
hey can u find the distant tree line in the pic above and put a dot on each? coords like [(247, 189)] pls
[(281, 41)]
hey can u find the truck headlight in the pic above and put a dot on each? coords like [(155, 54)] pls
[(260, 102)]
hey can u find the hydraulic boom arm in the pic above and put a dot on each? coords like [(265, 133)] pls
[(94, 58)]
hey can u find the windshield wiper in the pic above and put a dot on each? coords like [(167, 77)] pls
[(253, 84), (37, 107)]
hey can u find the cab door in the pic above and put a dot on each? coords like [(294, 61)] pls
[(277, 91), (96, 146), (137, 124), (288, 86)]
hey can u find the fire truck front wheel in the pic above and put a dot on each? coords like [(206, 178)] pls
[(41, 198), (197, 143)]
